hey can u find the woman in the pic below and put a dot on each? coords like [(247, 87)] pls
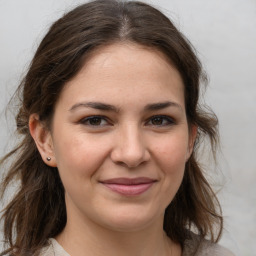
[(110, 125)]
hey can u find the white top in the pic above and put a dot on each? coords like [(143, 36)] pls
[(204, 248)]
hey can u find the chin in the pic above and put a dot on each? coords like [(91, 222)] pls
[(130, 220)]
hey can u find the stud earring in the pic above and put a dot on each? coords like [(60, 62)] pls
[(48, 159)]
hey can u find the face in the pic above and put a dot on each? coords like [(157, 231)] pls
[(120, 138)]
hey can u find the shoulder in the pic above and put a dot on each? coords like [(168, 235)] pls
[(201, 247), (53, 249)]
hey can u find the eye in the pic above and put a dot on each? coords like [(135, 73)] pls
[(160, 121), (94, 121)]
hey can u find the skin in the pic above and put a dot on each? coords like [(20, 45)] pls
[(129, 139)]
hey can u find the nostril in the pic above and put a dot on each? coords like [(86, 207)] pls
[(131, 164)]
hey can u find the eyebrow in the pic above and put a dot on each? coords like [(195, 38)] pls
[(161, 105), (108, 107), (95, 105)]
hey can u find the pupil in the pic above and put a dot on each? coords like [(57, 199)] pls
[(157, 121), (95, 121)]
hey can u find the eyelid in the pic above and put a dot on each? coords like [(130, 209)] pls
[(171, 120), (168, 121), (84, 121)]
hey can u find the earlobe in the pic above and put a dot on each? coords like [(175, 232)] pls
[(43, 140), (192, 139)]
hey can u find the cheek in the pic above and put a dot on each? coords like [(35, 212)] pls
[(172, 155), (171, 158), (79, 156)]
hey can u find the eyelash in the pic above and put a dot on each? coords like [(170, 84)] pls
[(86, 121), (168, 121)]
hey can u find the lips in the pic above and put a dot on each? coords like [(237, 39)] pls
[(129, 187)]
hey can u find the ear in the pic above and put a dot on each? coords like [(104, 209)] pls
[(192, 139), (43, 140)]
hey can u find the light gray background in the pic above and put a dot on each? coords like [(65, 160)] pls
[(224, 33)]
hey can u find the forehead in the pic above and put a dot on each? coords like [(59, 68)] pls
[(126, 70), (129, 54)]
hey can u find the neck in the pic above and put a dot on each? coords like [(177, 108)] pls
[(78, 238)]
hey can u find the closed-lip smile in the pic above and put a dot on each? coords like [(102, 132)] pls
[(129, 186)]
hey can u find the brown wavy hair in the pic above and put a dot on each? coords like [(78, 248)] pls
[(37, 211)]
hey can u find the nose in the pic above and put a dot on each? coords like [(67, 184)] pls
[(130, 148)]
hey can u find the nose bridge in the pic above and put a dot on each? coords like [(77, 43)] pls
[(130, 146), (133, 140)]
